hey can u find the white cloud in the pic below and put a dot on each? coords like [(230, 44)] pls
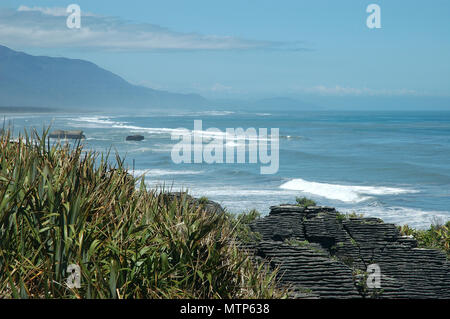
[(217, 87), (51, 11), (46, 28), (57, 12), (349, 91)]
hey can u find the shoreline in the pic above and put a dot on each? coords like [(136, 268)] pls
[(415, 209), (27, 110), (76, 213)]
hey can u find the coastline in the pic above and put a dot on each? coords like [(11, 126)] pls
[(323, 254), (368, 173), (74, 212), (27, 110)]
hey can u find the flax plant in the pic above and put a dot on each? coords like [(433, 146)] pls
[(61, 206)]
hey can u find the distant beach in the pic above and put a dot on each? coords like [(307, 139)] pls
[(16, 109)]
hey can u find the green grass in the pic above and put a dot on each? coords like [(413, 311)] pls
[(304, 202), (436, 237), (241, 225), (341, 216), (297, 243), (60, 205), (203, 200)]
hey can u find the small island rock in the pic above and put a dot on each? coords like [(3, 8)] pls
[(135, 138)]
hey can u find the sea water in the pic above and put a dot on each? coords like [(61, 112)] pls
[(391, 165)]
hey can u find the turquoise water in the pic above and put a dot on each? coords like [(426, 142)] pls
[(392, 165)]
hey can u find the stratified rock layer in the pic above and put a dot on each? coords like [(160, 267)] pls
[(206, 204), (320, 254)]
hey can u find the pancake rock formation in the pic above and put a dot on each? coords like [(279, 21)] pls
[(320, 254)]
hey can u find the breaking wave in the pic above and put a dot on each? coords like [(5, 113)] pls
[(344, 193)]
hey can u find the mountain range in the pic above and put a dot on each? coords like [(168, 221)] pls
[(41, 81), (28, 82), (32, 83)]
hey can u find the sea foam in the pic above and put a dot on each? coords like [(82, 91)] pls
[(163, 172), (344, 193), (107, 122)]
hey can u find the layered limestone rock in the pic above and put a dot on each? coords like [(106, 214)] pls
[(206, 204), (321, 254)]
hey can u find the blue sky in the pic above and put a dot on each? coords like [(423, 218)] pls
[(248, 48)]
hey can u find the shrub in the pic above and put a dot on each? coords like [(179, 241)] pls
[(241, 225), (341, 216), (60, 205), (436, 237), (305, 202), (203, 200)]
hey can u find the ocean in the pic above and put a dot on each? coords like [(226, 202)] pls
[(391, 165)]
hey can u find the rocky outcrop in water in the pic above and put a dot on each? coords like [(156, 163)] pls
[(320, 254), (60, 134), (137, 138)]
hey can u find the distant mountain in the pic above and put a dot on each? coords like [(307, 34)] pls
[(40, 81)]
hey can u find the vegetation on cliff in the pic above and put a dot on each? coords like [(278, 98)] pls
[(304, 202), (62, 206), (437, 236)]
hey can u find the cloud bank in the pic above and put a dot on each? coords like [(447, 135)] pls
[(350, 91), (52, 11), (46, 28)]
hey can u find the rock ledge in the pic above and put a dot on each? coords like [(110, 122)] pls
[(321, 255)]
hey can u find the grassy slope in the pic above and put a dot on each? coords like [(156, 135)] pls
[(61, 206)]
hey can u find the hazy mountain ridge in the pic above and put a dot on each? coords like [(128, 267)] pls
[(29, 81), (41, 81)]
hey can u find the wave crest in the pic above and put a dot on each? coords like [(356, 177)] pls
[(344, 193)]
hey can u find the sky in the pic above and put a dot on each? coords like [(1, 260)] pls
[(247, 48)]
